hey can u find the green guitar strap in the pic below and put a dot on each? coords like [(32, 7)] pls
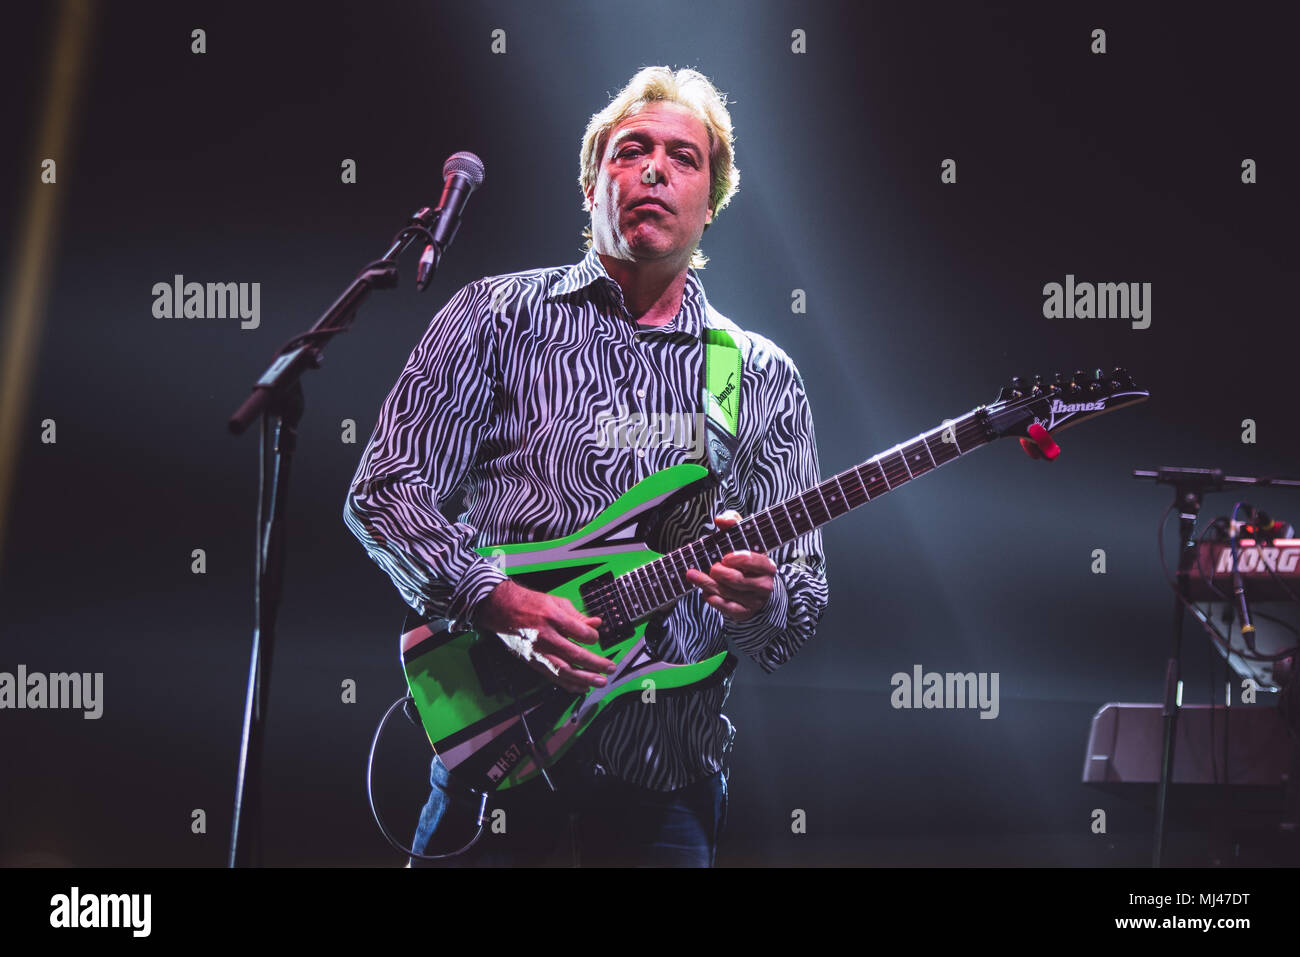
[(721, 399)]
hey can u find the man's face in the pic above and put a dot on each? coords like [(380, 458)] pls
[(659, 155)]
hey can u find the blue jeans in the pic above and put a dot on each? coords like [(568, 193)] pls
[(591, 820)]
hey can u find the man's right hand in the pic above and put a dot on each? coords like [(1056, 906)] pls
[(511, 607)]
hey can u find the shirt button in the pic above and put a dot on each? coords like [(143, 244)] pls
[(641, 393), (640, 453)]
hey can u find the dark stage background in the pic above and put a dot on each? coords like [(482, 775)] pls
[(923, 298)]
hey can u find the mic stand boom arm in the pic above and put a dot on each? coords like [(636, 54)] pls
[(278, 399)]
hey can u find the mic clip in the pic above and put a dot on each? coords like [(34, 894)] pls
[(428, 265)]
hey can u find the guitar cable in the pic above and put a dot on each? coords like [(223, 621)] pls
[(374, 811), (482, 796)]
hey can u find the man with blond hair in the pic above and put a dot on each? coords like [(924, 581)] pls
[(504, 391)]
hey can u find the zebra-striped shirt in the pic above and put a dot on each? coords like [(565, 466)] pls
[(504, 394)]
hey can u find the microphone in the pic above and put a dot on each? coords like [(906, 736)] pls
[(1247, 627), (461, 174), (1239, 593)]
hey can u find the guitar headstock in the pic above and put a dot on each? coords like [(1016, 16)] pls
[(1060, 401)]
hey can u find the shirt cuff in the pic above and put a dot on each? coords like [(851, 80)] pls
[(753, 634), (472, 589)]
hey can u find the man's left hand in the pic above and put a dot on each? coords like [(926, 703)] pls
[(741, 583)]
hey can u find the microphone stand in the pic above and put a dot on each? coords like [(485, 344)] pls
[(278, 399), (1189, 487)]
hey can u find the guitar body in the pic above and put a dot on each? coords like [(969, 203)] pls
[(474, 696)]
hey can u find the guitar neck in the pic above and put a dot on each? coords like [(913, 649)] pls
[(651, 586)]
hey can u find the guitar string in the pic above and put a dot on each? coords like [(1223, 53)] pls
[(971, 425), (892, 475), (970, 428)]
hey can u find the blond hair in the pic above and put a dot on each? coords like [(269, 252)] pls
[(688, 88)]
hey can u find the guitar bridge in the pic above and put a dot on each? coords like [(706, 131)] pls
[(497, 669), (600, 600)]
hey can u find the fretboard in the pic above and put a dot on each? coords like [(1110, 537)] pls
[(658, 583)]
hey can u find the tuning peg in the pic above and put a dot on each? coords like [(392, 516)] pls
[(1018, 383), (1038, 384), (1080, 379)]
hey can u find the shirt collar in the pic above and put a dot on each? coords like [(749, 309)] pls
[(591, 271)]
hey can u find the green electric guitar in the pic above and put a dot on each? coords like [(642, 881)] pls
[(496, 723)]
